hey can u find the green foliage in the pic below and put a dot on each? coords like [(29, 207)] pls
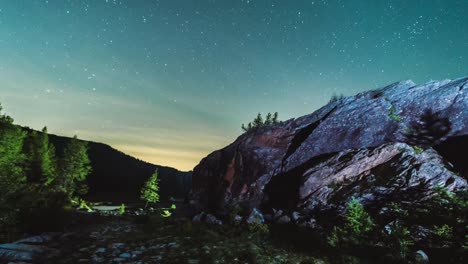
[(399, 239), (12, 174), (167, 212), (122, 209), (74, 168), (259, 228), (150, 191), (42, 164), (357, 219), (260, 122), (418, 150), (33, 187), (357, 226), (444, 231), (84, 205), (393, 115)]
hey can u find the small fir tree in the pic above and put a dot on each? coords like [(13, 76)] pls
[(258, 121), (268, 119), (275, 118), (150, 191)]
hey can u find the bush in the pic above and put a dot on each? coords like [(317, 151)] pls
[(399, 239), (356, 229)]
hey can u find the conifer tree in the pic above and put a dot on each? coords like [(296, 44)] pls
[(258, 121), (275, 118), (244, 128), (150, 191), (74, 168), (12, 176), (42, 166), (268, 120)]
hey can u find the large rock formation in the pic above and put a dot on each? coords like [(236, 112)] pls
[(349, 147)]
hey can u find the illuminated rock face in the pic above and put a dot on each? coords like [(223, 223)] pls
[(347, 148)]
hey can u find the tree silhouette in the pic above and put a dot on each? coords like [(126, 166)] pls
[(259, 122), (429, 130)]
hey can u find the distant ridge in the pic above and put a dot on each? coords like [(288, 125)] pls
[(118, 177)]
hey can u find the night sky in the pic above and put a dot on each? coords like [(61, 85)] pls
[(170, 81)]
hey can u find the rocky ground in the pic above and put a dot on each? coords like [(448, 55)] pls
[(153, 239)]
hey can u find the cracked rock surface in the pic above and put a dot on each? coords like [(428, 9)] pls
[(349, 147)]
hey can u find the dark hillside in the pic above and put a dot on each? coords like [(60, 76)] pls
[(119, 177)]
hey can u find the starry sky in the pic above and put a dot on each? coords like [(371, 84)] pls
[(170, 81)]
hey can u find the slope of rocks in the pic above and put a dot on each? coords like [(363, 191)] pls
[(348, 148)]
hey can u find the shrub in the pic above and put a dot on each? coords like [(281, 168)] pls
[(399, 239), (356, 229), (122, 209), (444, 231)]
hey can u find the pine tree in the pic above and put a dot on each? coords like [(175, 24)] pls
[(42, 166), (429, 130), (150, 191), (268, 119), (47, 158), (12, 175), (275, 118), (244, 128), (258, 121), (74, 168)]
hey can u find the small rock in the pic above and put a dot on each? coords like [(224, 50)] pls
[(172, 245), (137, 253), (35, 240), (212, 220), (278, 214), (100, 250), (117, 245), (421, 257), (97, 259), (198, 218), (125, 255), (255, 217), (311, 223), (237, 219), (295, 216)]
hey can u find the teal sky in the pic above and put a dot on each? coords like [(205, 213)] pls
[(170, 81)]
